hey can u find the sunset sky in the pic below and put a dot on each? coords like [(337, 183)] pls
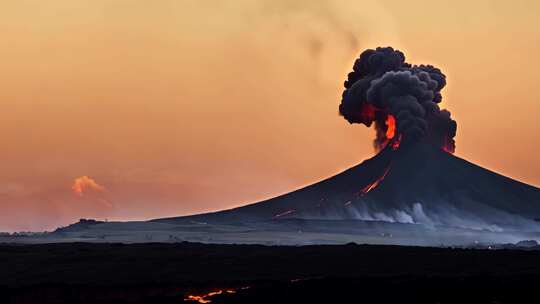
[(165, 107)]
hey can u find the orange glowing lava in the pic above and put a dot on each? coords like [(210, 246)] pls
[(374, 184), (200, 299), (396, 142), (390, 127), (367, 114), (449, 145), (204, 298)]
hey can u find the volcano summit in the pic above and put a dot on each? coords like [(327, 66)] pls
[(413, 191)]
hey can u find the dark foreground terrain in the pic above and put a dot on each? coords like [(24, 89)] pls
[(199, 273)]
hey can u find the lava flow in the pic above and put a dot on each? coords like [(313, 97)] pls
[(374, 184), (396, 142), (204, 298), (391, 137), (390, 127)]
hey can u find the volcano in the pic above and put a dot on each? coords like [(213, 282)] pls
[(419, 184)]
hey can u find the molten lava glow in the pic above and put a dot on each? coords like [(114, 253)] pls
[(204, 298), (396, 143), (83, 184), (386, 134), (374, 184), (449, 145), (200, 299), (367, 114), (390, 127)]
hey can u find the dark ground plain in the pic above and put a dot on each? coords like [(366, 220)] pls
[(170, 273)]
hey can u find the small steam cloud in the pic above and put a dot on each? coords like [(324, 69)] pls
[(85, 186), (400, 99)]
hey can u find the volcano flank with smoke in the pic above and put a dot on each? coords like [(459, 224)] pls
[(400, 99)]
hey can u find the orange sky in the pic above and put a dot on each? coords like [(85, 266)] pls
[(175, 107)]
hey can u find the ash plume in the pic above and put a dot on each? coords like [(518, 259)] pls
[(399, 99)]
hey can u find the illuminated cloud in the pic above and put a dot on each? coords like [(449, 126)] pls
[(84, 184)]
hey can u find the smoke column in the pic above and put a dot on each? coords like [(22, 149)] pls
[(399, 99)]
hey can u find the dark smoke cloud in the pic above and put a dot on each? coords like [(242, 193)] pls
[(383, 84)]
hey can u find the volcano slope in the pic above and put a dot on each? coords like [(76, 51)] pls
[(418, 184)]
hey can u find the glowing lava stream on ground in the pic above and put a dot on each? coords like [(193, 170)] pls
[(205, 298)]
